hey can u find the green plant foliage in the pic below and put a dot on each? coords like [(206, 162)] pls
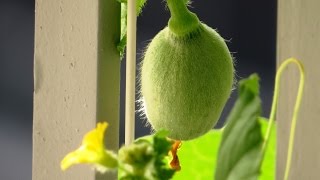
[(268, 168), (240, 153), (123, 35), (198, 157), (145, 158), (239, 143)]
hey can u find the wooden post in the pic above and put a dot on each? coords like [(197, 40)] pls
[(77, 82), (299, 37)]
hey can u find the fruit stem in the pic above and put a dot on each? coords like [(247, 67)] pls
[(182, 21)]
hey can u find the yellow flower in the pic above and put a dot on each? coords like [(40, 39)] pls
[(92, 151)]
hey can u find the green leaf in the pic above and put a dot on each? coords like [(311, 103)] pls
[(268, 169), (198, 157), (145, 159), (123, 35), (240, 155)]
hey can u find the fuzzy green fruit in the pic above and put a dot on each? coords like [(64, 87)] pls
[(186, 79)]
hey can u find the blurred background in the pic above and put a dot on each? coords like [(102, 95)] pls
[(249, 25)]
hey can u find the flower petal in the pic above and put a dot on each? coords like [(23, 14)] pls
[(92, 151), (95, 137)]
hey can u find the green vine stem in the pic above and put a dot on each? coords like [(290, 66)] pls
[(182, 21), (295, 111)]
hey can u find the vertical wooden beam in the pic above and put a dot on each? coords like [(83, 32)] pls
[(108, 93), (77, 76), (299, 37)]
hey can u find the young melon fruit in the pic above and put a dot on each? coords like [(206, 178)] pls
[(186, 76)]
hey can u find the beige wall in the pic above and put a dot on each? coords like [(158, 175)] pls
[(299, 37), (77, 76)]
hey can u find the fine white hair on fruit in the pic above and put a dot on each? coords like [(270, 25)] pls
[(187, 75), (185, 82)]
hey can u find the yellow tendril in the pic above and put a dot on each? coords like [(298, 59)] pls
[(295, 111)]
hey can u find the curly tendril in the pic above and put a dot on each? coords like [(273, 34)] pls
[(295, 111)]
